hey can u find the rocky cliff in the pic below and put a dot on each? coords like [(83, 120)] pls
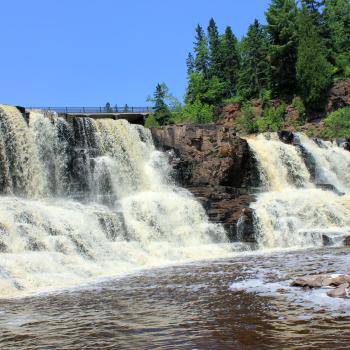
[(214, 164)]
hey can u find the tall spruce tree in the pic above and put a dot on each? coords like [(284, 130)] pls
[(255, 72), (336, 16), (201, 60), (161, 110), (214, 49), (190, 64), (313, 70), (282, 28), (230, 61)]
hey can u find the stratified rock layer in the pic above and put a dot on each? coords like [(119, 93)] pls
[(216, 166)]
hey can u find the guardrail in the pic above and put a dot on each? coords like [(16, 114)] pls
[(125, 109)]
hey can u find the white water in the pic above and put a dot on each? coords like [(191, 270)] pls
[(130, 215), (293, 212)]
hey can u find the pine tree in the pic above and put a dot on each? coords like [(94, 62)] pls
[(201, 60), (281, 18), (214, 49), (255, 70), (313, 69), (190, 64), (229, 61), (336, 16), (161, 110)]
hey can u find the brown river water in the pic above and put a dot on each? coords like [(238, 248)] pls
[(243, 302)]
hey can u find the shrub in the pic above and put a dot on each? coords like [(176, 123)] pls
[(337, 124), (298, 104), (234, 99), (272, 118), (151, 122), (246, 122), (196, 112)]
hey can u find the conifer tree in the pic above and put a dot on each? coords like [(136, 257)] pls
[(190, 64), (161, 110), (229, 61), (281, 25), (201, 60), (313, 69), (214, 49), (337, 32), (255, 70)]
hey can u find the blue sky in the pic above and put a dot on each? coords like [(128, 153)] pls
[(88, 52)]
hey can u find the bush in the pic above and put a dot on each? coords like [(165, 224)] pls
[(272, 118), (337, 124), (298, 104), (197, 113), (234, 99), (246, 122), (151, 122)]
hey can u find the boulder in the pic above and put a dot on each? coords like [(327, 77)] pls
[(309, 281), (346, 241), (339, 292)]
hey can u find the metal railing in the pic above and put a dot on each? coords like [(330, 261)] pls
[(125, 109)]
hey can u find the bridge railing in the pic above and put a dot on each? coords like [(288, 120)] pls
[(125, 109)]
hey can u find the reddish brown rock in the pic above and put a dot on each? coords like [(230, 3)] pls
[(339, 95), (216, 166)]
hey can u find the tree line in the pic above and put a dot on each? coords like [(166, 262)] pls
[(300, 51)]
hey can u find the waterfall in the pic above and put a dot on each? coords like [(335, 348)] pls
[(84, 199), (292, 211)]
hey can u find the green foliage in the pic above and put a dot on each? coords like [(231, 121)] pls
[(196, 113), (272, 118), (201, 60), (298, 104), (162, 112), (207, 91), (234, 99), (337, 124), (282, 28), (313, 70), (255, 72), (151, 122), (246, 122), (230, 62), (336, 17)]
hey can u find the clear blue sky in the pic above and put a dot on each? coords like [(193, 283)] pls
[(88, 52)]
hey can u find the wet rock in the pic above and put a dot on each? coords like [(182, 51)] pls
[(326, 241), (215, 164), (286, 136), (346, 241), (339, 280), (339, 292), (309, 282)]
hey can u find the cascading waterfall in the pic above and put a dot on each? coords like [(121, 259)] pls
[(85, 198), (292, 211)]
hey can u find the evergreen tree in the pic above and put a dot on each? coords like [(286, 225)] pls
[(255, 70), (190, 64), (313, 8), (229, 61), (162, 113), (201, 61), (313, 69), (214, 49), (337, 31), (281, 18)]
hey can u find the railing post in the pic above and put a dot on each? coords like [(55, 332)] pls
[(83, 109), (100, 110)]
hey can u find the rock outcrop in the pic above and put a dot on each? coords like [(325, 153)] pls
[(214, 164), (339, 95)]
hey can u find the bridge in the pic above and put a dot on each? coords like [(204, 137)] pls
[(135, 115)]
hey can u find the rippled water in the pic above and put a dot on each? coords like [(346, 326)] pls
[(244, 302)]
